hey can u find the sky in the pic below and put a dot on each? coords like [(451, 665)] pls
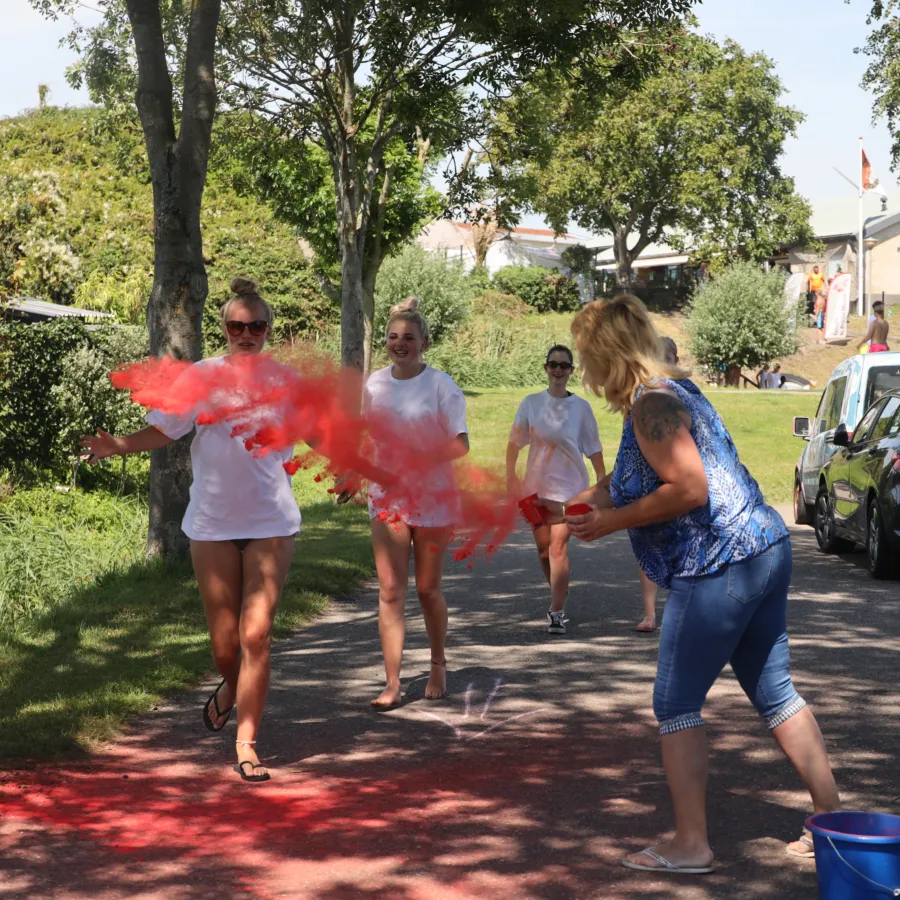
[(811, 42)]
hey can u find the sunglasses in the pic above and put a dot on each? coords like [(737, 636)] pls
[(554, 365), (257, 328)]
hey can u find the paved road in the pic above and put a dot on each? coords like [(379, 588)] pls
[(530, 781)]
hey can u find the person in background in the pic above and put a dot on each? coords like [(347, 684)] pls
[(816, 286), (559, 430), (410, 391), (699, 525), (775, 376), (876, 336), (762, 377)]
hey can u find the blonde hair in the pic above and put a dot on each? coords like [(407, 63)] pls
[(407, 311), (245, 291), (620, 350)]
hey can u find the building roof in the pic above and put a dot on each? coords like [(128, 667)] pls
[(547, 233), (658, 254), (839, 216), (41, 309), (442, 232)]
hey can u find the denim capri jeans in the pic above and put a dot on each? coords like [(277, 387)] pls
[(736, 615)]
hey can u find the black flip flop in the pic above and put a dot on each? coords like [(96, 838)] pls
[(239, 768), (219, 713)]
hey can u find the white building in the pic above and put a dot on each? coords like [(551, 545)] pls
[(514, 247)]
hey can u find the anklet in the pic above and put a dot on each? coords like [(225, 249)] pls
[(248, 743)]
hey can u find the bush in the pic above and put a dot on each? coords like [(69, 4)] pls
[(544, 290), (85, 397), (123, 293), (741, 318), (498, 304), (32, 358), (54, 387), (441, 285), (489, 352)]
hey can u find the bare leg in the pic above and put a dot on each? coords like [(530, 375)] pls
[(542, 541), (391, 544), (430, 547), (218, 567), (649, 591), (800, 739), (266, 564), (686, 763), (559, 566)]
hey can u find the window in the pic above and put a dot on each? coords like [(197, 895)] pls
[(881, 380), (894, 429), (862, 430), (832, 403), (888, 412)]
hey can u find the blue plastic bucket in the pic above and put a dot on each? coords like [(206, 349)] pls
[(857, 855)]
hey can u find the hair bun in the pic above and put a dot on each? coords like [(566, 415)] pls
[(243, 287), (410, 304)]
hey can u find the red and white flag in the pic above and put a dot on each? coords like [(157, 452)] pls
[(868, 184)]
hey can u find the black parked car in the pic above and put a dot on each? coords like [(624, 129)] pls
[(859, 488)]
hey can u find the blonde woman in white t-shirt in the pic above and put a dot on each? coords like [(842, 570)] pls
[(242, 520), (559, 430), (431, 410)]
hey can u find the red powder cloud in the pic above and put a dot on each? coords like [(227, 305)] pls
[(313, 402)]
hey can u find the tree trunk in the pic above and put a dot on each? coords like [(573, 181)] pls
[(178, 174), (353, 335), (370, 277), (624, 273), (174, 316)]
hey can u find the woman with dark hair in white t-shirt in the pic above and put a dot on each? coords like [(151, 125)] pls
[(432, 411), (559, 430), (242, 520)]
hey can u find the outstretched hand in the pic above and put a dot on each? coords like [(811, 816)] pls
[(98, 446), (590, 526)]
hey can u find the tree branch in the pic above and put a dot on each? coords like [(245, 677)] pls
[(154, 87)]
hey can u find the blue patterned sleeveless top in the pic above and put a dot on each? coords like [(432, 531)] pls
[(734, 524)]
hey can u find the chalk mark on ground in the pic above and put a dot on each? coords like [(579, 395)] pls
[(467, 735)]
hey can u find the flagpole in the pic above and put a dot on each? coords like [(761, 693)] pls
[(860, 246)]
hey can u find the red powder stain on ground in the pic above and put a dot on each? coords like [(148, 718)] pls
[(273, 406), (175, 813)]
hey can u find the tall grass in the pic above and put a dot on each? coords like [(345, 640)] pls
[(53, 544), (494, 353)]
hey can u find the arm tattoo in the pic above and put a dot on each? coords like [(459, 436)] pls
[(659, 415)]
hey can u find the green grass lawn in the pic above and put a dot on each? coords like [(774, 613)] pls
[(109, 634), (91, 634), (759, 421)]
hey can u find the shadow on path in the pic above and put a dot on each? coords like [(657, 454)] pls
[(531, 780)]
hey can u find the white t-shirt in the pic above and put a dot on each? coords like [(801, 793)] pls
[(234, 494), (559, 432), (433, 402)]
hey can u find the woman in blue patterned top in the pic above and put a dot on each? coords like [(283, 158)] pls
[(700, 527)]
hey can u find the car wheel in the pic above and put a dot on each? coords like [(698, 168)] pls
[(801, 510), (877, 550), (825, 532)]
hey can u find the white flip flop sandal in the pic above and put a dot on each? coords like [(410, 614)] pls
[(665, 865), (807, 841)]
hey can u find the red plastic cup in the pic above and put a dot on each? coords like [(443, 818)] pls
[(578, 509), (528, 506)]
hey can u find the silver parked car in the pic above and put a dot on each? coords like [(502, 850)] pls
[(852, 388)]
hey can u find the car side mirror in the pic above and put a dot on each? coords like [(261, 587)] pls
[(841, 437), (801, 426)]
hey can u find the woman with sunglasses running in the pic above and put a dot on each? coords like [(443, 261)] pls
[(559, 430), (242, 520), (432, 410)]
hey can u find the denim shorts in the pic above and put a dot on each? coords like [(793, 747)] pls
[(737, 615)]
